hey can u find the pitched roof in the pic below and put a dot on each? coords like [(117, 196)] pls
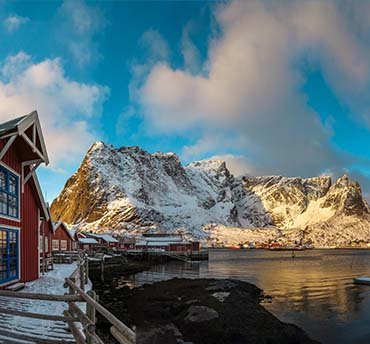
[(18, 127), (44, 205), (58, 224), (11, 125)]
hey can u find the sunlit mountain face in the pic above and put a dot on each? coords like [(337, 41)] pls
[(129, 191)]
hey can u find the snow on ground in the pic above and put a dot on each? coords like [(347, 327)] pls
[(51, 283), (222, 235)]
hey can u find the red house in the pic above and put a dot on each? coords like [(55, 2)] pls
[(62, 240), (166, 242), (22, 208), (105, 240), (46, 232)]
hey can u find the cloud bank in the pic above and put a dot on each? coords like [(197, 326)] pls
[(65, 107), (250, 87)]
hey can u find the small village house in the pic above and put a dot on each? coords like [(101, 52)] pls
[(74, 235), (105, 240), (45, 249), (62, 240), (23, 211), (166, 242), (87, 244)]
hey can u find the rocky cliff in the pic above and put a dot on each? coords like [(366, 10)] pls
[(131, 190)]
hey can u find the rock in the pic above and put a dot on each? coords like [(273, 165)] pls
[(200, 313), (221, 296), (161, 314)]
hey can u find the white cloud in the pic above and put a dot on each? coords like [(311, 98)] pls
[(189, 50), (78, 26), (14, 22), (65, 106), (237, 165), (251, 86), (155, 45)]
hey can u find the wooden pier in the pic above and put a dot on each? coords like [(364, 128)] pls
[(165, 256), (82, 324)]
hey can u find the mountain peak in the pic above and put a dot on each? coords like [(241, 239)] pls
[(128, 189)]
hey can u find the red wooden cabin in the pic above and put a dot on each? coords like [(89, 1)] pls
[(61, 238), (105, 240), (22, 208)]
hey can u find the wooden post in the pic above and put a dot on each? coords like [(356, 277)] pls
[(102, 270), (82, 275), (86, 269), (121, 327), (77, 333), (91, 314)]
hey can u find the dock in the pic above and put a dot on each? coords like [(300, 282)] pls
[(164, 256)]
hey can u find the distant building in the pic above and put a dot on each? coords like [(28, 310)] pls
[(104, 240), (166, 242), (87, 244), (61, 238)]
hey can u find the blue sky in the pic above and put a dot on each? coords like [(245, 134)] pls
[(272, 88)]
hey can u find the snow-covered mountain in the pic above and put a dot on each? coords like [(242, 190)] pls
[(131, 190)]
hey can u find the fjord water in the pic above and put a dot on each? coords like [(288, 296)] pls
[(314, 290)]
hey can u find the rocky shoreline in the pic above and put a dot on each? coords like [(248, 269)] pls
[(183, 310)]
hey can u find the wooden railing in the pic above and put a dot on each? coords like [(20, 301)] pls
[(81, 324)]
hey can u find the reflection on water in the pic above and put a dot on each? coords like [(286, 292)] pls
[(313, 290)]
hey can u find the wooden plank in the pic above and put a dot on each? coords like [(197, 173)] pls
[(120, 326), (29, 339), (90, 313), (44, 297), (77, 333), (37, 315), (86, 322), (122, 339)]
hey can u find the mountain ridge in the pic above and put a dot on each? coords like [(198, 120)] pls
[(128, 190)]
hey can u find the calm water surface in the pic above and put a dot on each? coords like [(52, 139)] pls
[(314, 291)]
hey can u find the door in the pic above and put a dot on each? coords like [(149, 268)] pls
[(9, 257)]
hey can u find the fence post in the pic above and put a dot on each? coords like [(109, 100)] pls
[(86, 269), (91, 314)]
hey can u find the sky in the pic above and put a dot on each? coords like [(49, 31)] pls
[(270, 87)]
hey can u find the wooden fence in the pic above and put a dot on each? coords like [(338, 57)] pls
[(81, 324)]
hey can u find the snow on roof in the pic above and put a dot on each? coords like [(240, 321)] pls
[(87, 241), (72, 232), (171, 238), (160, 243), (60, 223), (105, 237)]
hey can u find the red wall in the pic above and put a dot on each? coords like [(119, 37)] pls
[(29, 235), (61, 234), (29, 259)]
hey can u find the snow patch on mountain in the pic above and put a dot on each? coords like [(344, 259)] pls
[(128, 190)]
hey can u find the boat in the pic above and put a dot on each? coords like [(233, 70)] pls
[(362, 280)]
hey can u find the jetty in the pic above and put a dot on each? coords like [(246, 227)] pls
[(52, 317)]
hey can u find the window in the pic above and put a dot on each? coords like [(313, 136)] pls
[(63, 245), (8, 255), (46, 244), (9, 193), (55, 245), (41, 245)]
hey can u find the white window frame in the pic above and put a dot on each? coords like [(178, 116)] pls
[(63, 245), (55, 245)]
